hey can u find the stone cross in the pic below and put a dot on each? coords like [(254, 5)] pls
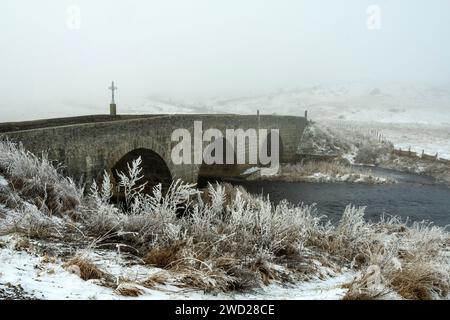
[(112, 88)]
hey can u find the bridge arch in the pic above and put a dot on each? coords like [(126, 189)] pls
[(154, 169), (89, 145)]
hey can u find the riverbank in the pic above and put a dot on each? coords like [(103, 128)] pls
[(433, 168), (325, 172), (352, 143), (221, 240)]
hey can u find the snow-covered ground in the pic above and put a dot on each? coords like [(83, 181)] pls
[(46, 279), (431, 138), (290, 174), (348, 177)]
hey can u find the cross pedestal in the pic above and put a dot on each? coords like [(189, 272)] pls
[(112, 109), (112, 106)]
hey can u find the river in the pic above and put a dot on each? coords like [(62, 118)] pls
[(414, 196)]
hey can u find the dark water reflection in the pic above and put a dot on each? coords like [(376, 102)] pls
[(417, 197)]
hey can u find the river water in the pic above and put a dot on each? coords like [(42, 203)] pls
[(415, 197)]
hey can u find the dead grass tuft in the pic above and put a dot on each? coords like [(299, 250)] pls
[(368, 286), (206, 280), (419, 281), (164, 256), (87, 269), (361, 294), (48, 259), (129, 290), (158, 278), (23, 244)]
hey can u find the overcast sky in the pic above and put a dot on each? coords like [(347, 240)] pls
[(49, 57)]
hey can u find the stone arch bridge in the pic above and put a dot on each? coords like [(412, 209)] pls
[(88, 145)]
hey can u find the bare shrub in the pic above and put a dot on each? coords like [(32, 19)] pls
[(373, 153)]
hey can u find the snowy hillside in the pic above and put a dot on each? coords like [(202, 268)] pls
[(390, 103), (410, 116)]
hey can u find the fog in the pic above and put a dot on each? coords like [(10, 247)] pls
[(52, 59)]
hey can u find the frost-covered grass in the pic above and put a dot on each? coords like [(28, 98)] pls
[(437, 169), (325, 171), (363, 144), (360, 144), (412, 262), (42, 277), (432, 138), (219, 239), (35, 180)]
